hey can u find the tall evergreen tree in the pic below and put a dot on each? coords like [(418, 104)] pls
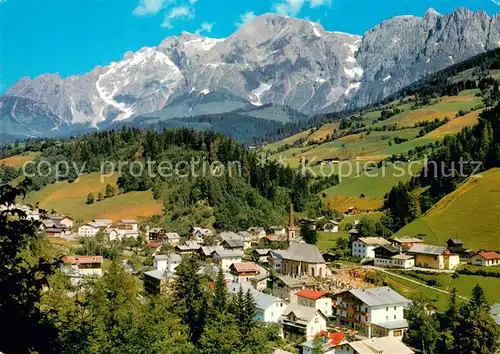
[(220, 297), (250, 311)]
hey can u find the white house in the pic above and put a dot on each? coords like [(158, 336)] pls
[(127, 224), (166, 263), (364, 246), (200, 233), (172, 238), (486, 259), (403, 261), (224, 258), (91, 229), (269, 308), (301, 322), (317, 299), (373, 312)]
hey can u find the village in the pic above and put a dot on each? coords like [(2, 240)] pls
[(292, 283)]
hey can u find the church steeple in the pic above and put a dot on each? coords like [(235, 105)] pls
[(291, 226)]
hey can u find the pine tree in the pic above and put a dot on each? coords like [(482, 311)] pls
[(220, 297), (250, 311), (110, 191), (90, 198)]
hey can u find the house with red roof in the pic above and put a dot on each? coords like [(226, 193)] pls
[(329, 342), (486, 259), (317, 299)]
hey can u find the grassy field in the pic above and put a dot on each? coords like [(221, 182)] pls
[(455, 125), (327, 240), (471, 213), (376, 183), (342, 203), (17, 160), (290, 140), (70, 199)]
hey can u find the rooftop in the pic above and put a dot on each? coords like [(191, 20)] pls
[(311, 294), (262, 251), (407, 240), (382, 345), (83, 259), (303, 314), (303, 252), (403, 257), (128, 221), (229, 253), (427, 249), (374, 241), (244, 267), (489, 255), (379, 296)]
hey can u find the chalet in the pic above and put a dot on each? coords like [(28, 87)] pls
[(329, 342), (302, 323), (233, 244), (225, 258), (171, 238), (375, 345), (86, 265), (257, 232), (486, 259), (277, 230), (384, 254), (373, 312), (260, 255), (244, 271), (188, 247), (156, 234), (364, 246), (317, 299), (405, 243), (331, 226), (436, 257), (455, 243), (167, 263), (302, 259), (285, 287)]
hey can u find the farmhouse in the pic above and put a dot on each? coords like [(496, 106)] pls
[(302, 259), (437, 257), (384, 254), (302, 323), (127, 224), (486, 259), (364, 246), (317, 299), (62, 221), (373, 312), (54, 232)]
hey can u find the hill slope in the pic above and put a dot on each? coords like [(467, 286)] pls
[(471, 213)]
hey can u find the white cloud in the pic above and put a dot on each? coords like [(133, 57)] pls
[(177, 12), (246, 18), (149, 7), (205, 27), (496, 2), (317, 3), (289, 7)]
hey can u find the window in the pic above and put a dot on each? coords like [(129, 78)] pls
[(387, 309), (394, 316), (394, 308), (398, 333), (387, 318)]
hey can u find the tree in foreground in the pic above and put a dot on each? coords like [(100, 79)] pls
[(423, 327)]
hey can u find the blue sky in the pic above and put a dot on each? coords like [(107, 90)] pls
[(73, 36)]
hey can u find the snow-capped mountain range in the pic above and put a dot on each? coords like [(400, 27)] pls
[(272, 60)]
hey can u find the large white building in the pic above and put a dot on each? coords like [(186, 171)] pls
[(364, 247), (301, 322), (224, 258), (92, 228), (374, 312)]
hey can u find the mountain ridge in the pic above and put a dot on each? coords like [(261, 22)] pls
[(273, 60)]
